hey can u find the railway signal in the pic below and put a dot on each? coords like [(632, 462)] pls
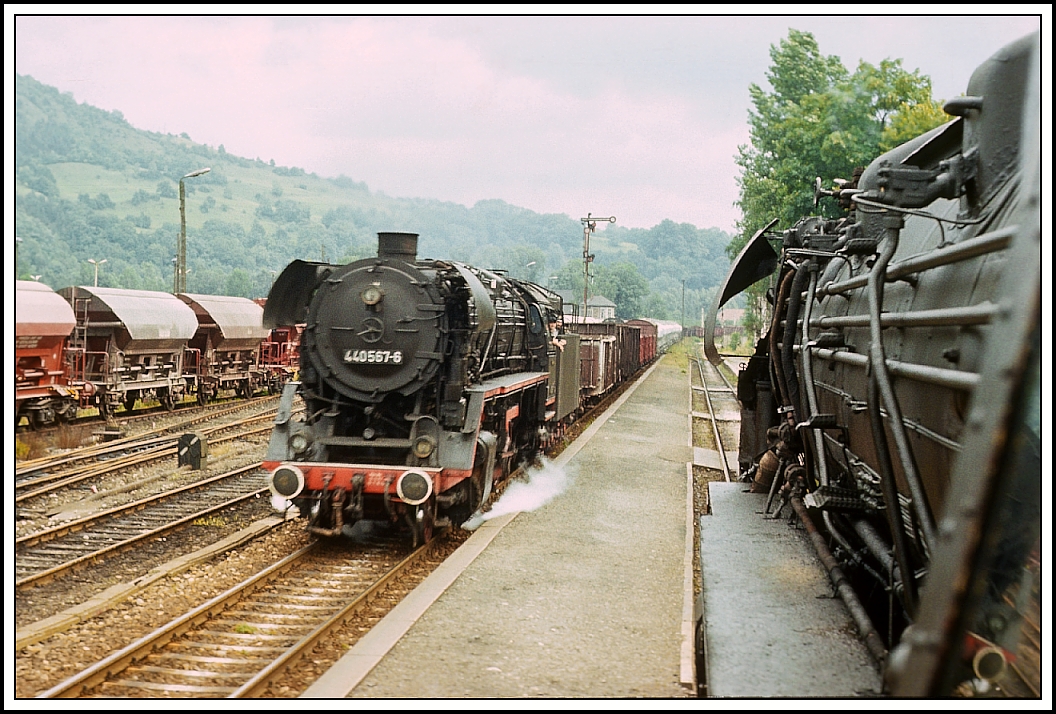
[(589, 225)]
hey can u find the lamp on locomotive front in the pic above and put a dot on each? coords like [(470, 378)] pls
[(181, 248)]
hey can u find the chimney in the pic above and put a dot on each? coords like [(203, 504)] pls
[(401, 246)]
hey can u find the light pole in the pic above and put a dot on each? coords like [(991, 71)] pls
[(97, 269), (181, 249), (683, 309)]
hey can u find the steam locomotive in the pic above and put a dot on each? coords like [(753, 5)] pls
[(895, 399), (421, 380)]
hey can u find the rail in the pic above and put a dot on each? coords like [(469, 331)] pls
[(134, 670), (713, 417)]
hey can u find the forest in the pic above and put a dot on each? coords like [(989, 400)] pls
[(89, 186)]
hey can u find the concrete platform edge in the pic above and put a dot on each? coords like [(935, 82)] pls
[(687, 663)]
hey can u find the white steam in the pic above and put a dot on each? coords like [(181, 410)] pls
[(542, 484)]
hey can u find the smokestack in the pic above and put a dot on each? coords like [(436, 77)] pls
[(401, 246)]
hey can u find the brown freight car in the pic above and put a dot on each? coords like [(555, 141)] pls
[(224, 353), (43, 322)]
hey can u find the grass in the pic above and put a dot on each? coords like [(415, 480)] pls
[(30, 446), (210, 522)]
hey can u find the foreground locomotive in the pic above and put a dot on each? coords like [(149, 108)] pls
[(423, 381), (895, 400)]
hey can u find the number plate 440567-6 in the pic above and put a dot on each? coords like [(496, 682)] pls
[(374, 356)]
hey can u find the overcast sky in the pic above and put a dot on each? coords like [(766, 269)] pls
[(637, 117)]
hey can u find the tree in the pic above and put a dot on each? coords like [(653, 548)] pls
[(911, 121), (570, 277), (624, 285), (819, 120), (240, 284)]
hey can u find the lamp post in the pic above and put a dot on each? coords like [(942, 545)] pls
[(683, 309), (181, 249), (97, 269)]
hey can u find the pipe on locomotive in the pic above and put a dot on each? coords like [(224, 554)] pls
[(892, 224)]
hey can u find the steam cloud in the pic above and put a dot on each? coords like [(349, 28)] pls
[(543, 483)]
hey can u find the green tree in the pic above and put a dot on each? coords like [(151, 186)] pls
[(570, 277), (240, 284), (818, 120), (911, 121), (624, 285)]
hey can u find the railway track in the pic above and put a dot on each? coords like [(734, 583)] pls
[(237, 643), (716, 415), (47, 554), (27, 469), (138, 690), (151, 412), (132, 453)]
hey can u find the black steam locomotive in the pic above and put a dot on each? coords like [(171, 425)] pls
[(423, 382), (895, 399)]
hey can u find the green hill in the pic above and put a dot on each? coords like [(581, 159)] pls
[(90, 185)]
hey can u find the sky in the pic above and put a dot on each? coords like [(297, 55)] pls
[(638, 117)]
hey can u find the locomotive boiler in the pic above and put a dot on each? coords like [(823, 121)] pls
[(895, 399), (423, 383)]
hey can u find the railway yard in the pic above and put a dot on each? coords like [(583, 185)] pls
[(89, 584), (410, 477), (135, 578)]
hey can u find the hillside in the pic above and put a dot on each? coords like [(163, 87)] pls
[(90, 185)]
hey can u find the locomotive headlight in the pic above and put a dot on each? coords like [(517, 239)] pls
[(424, 446), (372, 295), (286, 481), (414, 487), (299, 443)]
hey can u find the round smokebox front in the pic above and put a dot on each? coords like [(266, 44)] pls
[(375, 329)]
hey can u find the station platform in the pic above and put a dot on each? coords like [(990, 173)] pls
[(589, 596), (773, 626)]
